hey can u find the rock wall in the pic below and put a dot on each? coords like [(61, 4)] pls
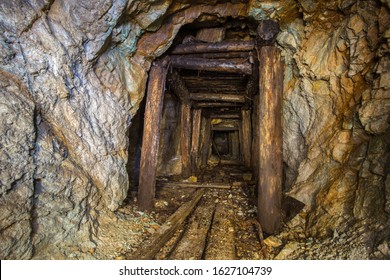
[(73, 74), (336, 108)]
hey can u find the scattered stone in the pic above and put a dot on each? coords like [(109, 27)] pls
[(287, 250), (273, 241)]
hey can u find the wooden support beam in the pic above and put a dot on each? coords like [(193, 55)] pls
[(226, 116), (229, 78), (166, 231), (220, 55), (151, 133), (246, 137), (225, 128), (206, 141), (198, 185), (252, 86), (218, 97), (178, 86), (229, 162), (270, 137), (214, 47), (235, 145), (211, 35), (216, 104), (255, 140), (185, 113), (204, 64), (196, 127)]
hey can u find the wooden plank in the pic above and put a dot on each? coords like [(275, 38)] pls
[(255, 140), (185, 142), (216, 104), (218, 97), (150, 140), (235, 145), (206, 141), (196, 126), (226, 116), (229, 78), (197, 185), (221, 245), (178, 86), (270, 137), (221, 55), (205, 64), (217, 89), (247, 137), (166, 231), (225, 128), (193, 243), (211, 35), (229, 162), (214, 47)]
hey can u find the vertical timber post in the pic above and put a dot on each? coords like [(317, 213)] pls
[(206, 141), (246, 136), (185, 141), (151, 134), (255, 140), (270, 127), (235, 145), (196, 127)]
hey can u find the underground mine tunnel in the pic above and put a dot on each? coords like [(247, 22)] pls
[(194, 129)]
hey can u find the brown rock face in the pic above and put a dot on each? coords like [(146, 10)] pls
[(73, 75), (17, 167)]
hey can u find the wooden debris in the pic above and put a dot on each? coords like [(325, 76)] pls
[(193, 243), (166, 231), (223, 226)]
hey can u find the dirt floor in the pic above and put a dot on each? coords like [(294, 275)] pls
[(223, 225)]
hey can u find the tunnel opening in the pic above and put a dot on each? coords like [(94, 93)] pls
[(210, 99)]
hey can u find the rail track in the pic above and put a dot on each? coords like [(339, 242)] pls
[(217, 222)]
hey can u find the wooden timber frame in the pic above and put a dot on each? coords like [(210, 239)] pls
[(151, 134), (260, 130), (269, 122)]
